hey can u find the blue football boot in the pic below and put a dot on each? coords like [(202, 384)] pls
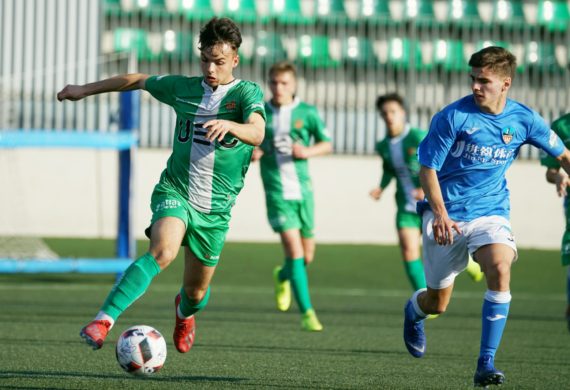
[(414, 335), (486, 373)]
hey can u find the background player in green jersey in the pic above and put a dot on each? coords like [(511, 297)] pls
[(219, 120), (291, 127), (557, 176), (398, 151)]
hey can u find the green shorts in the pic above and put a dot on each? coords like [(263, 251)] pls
[(291, 214), (406, 219), (565, 252), (205, 233)]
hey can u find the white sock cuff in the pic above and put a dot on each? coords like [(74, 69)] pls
[(415, 303), (498, 296), (104, 316)]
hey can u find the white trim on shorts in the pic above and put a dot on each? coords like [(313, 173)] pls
[(443, 263)]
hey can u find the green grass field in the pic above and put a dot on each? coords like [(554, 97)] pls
[(358, 290)]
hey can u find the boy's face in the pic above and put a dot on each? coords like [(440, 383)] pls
[(217, 63), (282, 86), (394, 116), (489, 88)]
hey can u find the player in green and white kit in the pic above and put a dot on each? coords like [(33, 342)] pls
[(219, 121), (557, 176), (398, 151), (291, 127)]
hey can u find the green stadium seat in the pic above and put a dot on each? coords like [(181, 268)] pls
[(358, 51), (112, 7), (152, 7), (449, 55), (314, 51), (464, 12), (330, 11), (541, 56), (509, 13), (178, 46), (554, 15), (373, 9), (127, 40), (289, 12), (269, 47), (240, 10), (419, 10), (196, 9), (402, 53)]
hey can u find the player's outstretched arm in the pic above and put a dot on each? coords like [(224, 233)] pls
[(303, 152), (251, 132), (443, 226), (124, 82)]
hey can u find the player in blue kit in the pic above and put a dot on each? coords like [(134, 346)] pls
[(464, 157)]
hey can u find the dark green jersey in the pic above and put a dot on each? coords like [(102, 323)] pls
[(284, 177), (561, 127), (208, 174), (400, 161)]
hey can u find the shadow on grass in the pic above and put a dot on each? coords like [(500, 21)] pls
[(79, 375)]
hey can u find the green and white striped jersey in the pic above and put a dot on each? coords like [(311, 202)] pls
[(208, 174), (400, 160), (284, 177)]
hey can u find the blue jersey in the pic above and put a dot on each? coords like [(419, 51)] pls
[(471, 151)]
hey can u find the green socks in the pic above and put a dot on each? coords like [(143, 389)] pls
[(295, 271), (187, 307), (415, 272), (132, 286)]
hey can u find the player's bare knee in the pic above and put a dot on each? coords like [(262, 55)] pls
[(164, 256)]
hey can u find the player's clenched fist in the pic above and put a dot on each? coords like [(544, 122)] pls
[(71, 92)]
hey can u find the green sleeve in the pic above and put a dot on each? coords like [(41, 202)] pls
[(561, 127), (252, 101), (387, 176), (162, 87), (318, 128), (387, 171)]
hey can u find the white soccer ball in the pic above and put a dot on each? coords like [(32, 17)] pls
[(141, 350)]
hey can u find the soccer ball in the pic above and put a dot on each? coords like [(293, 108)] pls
[(141, 350)]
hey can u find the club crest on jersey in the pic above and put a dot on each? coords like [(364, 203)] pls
[(298, 124), (508, 133), (411, 151), (231, 106)]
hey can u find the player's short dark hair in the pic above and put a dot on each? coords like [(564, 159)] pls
[(390, 97), (220, 30), (499, 59), (283, 67)]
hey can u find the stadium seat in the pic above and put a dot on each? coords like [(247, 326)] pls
[(374, 10), (402, 53), (152, 7), (289, 12), (509, 13), (112, 7), (449, 55), (541, 56), (330, 11), (314, 51), (358, 51), (177, 46), (554, 15), (464, 12), (269, 47), (420, 11), (196, 9), (127, 40), (240, 10)]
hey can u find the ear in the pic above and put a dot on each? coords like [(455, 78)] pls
[(507, 84), (235, 61)]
